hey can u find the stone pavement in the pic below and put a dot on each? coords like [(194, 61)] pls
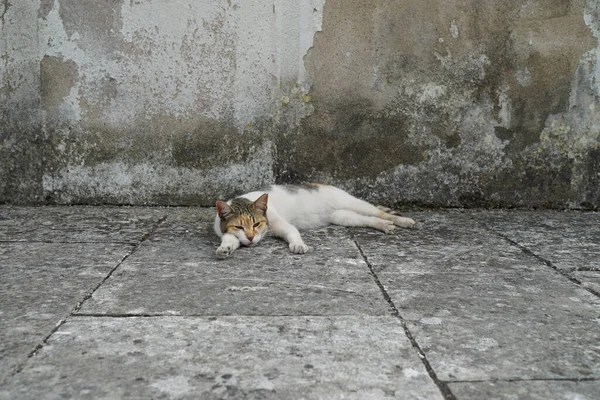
[(122, 302)]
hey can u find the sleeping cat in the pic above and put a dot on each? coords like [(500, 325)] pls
[(286, 208)]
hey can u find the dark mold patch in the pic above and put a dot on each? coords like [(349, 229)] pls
[(373, 113), (453, 140), (178, 147), (541, 182), (591, 189), (22, 148), (195, 143), (212, 143), (347, 141)]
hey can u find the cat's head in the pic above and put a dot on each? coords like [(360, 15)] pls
[(244, 219)]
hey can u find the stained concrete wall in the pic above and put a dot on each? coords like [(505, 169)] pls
[(449, 103)]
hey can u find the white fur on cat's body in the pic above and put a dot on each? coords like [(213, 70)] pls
[(300, 208)]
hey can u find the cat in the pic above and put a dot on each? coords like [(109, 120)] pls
[(284, 209)]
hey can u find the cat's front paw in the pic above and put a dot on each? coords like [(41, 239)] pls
[(404, 222), (223, 252), (298, 248)]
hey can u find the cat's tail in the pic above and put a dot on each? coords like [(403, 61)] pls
[(388, 210)]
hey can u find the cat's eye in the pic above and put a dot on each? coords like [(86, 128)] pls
[(256, 224), (238, 227)]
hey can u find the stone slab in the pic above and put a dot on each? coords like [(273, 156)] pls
[(176, 273), (442, 242), (188, 219), (568, 239), (481, 308), (40, 284), (348, 357), (496, 326), (77, 223), (503, 347), (530, 390)]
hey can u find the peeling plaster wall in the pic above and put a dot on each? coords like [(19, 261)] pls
[(453, 103), (169, 102)]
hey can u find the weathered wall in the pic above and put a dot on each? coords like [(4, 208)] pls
[(456, 102), (21, 136)]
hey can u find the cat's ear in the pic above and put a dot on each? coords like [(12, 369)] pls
[(224, 210), (260, 204)]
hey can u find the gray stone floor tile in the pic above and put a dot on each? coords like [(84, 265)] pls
[(491, 318), (40, 284), (188, 219), (530, 325), (570, 240), (77, 223), (471, 297), (589, 279), (176, 273), (494, 347), (445, 242), (516, 294), (530, 390), (228, 357), (467, 323)]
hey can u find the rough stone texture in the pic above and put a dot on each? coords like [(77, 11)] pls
[(287, 357), (436, 103), (470, 297), (176, 103), (22, 142), (50, 259), (41, 284), (556, 237), (529, 390), (175, 273), (589, 279), (363, 315), (77, 224), (454, 103)]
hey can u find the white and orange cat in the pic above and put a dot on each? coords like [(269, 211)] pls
[(283, 209)]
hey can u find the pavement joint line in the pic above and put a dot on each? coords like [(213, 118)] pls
[(112, 271), (66, 242), (442, 386), (216, 316), (39, 346), (548, 263), (585, 269), (493, 380)]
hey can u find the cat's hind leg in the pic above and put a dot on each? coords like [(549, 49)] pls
[(351, 218), (228, 245), (362, 207), (402, 222)]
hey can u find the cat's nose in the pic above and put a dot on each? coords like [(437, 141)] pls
[(250, 238)]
